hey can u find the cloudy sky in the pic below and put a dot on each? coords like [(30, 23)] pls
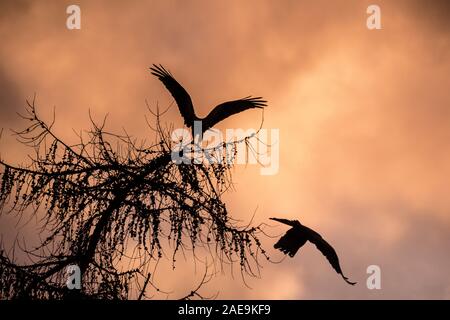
[(363, 116)]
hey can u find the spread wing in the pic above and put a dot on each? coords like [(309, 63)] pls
[(226, 109), (293, 240), (328, 251), (180, 95), (291, 223)]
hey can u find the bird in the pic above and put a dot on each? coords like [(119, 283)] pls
[(297, 236), (184, 102)]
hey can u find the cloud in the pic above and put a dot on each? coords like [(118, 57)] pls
[(9, 98), (363, 117)]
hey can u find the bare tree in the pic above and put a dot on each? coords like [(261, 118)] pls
[(106, 194)]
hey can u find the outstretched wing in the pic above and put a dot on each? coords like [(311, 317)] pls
[(226, 109), (294, 238), (328, 251), (291, 242), (180, 95), (291, 223)]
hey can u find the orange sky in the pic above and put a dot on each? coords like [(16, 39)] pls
[(364, 119)]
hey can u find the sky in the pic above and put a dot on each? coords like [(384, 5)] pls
[(363, 118)]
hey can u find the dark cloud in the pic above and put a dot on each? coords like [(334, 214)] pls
[(10, 94), (10, 9), (435, 14), (10, 98), (363, 116)]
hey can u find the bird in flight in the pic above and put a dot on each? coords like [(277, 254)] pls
[(297, 236), (184, 102)]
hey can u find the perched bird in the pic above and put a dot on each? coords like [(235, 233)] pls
[(184, 102), (297, 236)]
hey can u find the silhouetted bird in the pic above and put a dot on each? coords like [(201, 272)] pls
[(184, 102), (297, 236)]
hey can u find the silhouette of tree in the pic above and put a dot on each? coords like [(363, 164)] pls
[(95, 200)]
